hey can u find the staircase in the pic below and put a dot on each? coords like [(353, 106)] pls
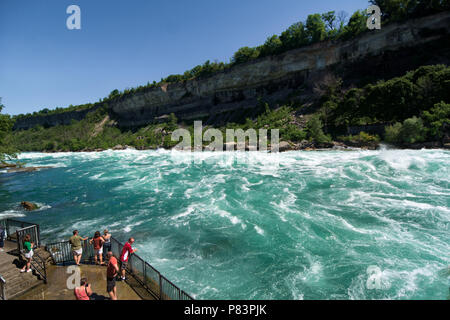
[(18, 283)]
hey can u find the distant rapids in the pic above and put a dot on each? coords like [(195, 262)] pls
[(295, 225)]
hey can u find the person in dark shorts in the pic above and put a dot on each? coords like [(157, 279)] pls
[(127, 251), (107, 244), (111, 273)]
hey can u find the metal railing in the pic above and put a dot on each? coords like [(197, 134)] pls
[(11, 226), (33, 231), (146, 275), (40, 266), (61, 252), (37, 262), (2, 288)]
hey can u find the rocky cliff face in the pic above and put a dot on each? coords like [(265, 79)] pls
[(390, 51), (52, 119)]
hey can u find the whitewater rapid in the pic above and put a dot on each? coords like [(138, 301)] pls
[(294, 225)]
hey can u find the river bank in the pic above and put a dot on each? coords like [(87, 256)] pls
[(285, 146)]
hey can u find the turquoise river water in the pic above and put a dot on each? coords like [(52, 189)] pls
[(295, 225)]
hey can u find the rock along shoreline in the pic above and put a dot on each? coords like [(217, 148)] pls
[(285, 146)]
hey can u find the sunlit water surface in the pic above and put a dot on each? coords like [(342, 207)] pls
[(296, 225)]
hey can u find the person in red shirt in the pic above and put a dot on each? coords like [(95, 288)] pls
[(84, 291), (127, 251), (111, 273), (98, 241)]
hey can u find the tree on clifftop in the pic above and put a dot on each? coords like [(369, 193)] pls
[(6, 150), (315, 28), (398, 10)]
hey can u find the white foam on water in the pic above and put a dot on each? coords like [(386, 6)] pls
[(11, 214), (233, 219), (84, 224), (185, 213), (43, 206), (287, 204), (259, 230)]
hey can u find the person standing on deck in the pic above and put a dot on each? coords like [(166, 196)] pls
[(107, 245), (98, 241), (2, 237), (77, 250), (28, 252), (127, 251), (111, 273)]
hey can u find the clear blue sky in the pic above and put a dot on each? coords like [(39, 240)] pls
[(128, 43)]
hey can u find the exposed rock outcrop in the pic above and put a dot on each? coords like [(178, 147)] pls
[(52, 120), (29, 206)]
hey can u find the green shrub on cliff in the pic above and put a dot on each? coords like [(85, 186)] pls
[(411, 131), (356, 25), (295, 36), (438, 119), (361, 138), (293, 133), (172, 123), (399, 10), (393, 100), (392, 133), (315, 132), (245, 54), (315, 27), (7, 151)]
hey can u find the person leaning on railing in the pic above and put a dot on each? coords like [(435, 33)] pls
[(127, 251), (98, 241), (77, 250)]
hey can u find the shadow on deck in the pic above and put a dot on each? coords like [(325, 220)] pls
[(57, 288)]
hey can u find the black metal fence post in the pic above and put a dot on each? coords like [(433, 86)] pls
[(160, 288)]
